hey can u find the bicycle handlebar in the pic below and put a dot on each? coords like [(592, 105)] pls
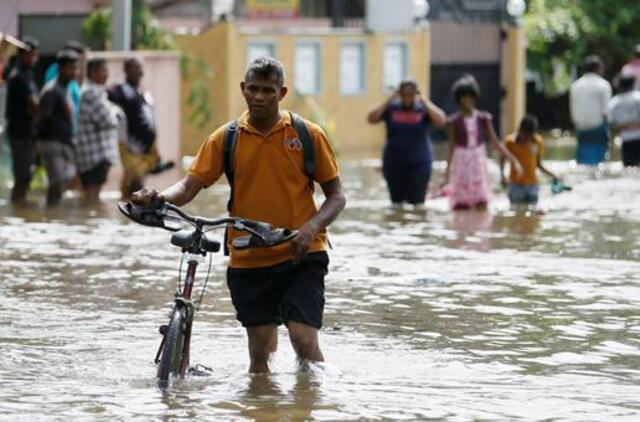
[(261, 234), (196, 219)]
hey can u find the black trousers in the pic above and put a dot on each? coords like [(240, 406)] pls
[(407, 182), (23, 153), (631, 153)]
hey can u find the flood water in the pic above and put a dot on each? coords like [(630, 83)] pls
[(430, 314)]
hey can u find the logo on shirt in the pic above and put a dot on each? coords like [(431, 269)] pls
[(293, 144), (406, 116)]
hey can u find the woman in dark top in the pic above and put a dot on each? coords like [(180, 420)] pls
[(408, 156)]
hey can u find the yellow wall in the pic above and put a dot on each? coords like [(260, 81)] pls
[(213, 47), (224, 48)]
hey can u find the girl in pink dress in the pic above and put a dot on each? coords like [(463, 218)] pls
[(469, 130)]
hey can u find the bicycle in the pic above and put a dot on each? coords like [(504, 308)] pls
[(173, 353)]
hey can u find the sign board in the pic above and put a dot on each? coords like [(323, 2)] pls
[(272, 9)]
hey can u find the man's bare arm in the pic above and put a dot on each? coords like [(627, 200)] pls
[(180, 193), (333, 204)]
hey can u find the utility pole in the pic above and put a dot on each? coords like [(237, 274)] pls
[(121, 25)]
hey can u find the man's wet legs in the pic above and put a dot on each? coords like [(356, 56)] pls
[(263, 341)]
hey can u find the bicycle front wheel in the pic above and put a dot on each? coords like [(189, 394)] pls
[(172, 352)]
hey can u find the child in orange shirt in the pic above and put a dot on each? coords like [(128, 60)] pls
[(527, 146)]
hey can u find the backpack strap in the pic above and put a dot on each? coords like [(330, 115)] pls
[(308, 151), (228, 151)]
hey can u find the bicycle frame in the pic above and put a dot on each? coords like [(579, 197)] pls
[(184, 299), (184, 303)]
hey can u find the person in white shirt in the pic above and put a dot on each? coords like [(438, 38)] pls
[(588, 101), (633, 67), (624, 118)]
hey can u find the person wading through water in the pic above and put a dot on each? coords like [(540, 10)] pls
[(268, 167)]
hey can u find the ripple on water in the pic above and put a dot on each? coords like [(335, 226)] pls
[(429, 314)]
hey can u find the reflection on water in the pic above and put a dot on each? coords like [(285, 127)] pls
[(430, 314)]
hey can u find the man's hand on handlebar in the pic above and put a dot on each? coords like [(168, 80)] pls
[(151, 208), (146, 197), (302, 242)]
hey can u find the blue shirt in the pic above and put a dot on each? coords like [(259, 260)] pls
[(407, 134)]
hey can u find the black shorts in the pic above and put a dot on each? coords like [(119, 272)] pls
[(97, 175), (407, 182), (23, 153), (282, 293), (631, 153)]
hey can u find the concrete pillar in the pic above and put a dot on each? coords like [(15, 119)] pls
[(513, 71), (121, 25)]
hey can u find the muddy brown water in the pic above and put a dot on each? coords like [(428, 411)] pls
[(497, 315)]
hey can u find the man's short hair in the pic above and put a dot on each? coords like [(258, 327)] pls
[(95, 64), (529, 124), (65, 57), (466, 86), (76, 46), (626, 82), (593, 63), (265, 68)]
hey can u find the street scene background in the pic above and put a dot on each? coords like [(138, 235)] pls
[(500, 313)]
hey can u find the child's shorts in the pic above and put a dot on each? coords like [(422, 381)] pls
[(523, 194)]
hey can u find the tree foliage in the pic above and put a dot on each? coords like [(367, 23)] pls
[(97, 27), (198, 98), (561, 33), (145, 32)]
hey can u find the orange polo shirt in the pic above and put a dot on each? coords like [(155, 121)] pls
[(528, 155), (269, 182)]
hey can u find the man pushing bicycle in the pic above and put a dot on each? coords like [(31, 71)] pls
[(271, 159)]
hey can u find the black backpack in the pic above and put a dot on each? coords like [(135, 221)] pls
[(229, 148)]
